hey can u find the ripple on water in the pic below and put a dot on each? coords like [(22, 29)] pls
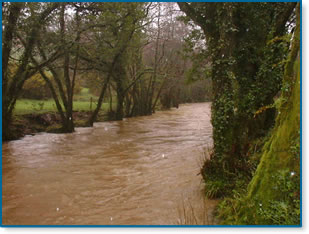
[(115, 169)]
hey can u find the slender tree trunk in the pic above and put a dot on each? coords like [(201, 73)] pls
[(158, 95), (155, 70), (52, 89), (69, 123), (120, 100), (120, 78), (110, 99), (95, 113)]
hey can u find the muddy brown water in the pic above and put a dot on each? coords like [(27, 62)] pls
[(139, 171)]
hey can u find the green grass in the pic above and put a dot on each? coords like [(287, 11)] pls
[(84, 95), (81, 103), (28, 106)]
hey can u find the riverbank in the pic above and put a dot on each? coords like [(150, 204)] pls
[(27, 122), (30, 124)]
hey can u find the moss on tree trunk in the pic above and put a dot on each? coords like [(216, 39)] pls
[(273, 195)]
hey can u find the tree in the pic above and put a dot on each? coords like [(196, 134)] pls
[(115, 25), (246, 66), (62, 84), (273, 194), (163, 54), (12, 83)]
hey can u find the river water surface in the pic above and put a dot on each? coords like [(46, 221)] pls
[(139, 171)]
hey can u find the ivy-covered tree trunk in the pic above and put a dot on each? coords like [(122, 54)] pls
[(273, 195), (281, 154), (246, 70)]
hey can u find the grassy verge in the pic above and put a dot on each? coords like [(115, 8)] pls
[(28, 106), (82, 102), (32, 116)]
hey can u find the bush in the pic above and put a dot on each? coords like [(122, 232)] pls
[(36, 88)]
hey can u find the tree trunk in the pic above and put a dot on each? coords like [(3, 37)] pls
[(10, 91), (120, 100), (95, 113), (14, 10)]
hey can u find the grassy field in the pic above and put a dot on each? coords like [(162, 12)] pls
[(84, 95), (81, 103), (27, 106)]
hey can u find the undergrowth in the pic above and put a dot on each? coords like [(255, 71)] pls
[(284, 210)]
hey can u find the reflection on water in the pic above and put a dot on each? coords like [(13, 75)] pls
[(133, 172)]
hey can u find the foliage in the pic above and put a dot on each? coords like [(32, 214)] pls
[(238, 209), (36, 88), (18, 46), (273, 195), (247, 44), (285, 210), (128, 53)]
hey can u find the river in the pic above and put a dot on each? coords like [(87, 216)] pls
[(139, 171)]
